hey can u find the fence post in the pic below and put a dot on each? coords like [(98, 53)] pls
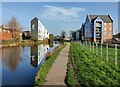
[(96, 48), (107, 51), (115, 54), (80, 43), (90, 46), (93, 47), (101, 49), (86, 43)]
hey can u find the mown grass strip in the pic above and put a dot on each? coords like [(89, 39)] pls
[(43, 71)]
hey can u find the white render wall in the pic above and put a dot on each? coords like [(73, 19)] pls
[(40, 32)]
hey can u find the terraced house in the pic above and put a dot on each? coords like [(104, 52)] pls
[(38, 30), (98, 28)]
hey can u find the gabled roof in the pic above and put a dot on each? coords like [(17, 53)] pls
[(105, 18)]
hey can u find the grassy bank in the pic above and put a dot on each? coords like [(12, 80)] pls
[(23, 43), (43, 71), (86, 69)]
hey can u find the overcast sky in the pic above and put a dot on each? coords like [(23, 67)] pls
[(58, 16)]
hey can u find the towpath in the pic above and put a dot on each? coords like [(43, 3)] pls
[(57, 73)]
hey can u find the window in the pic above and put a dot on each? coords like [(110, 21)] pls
[(110, 33), (104, 33), (39, 30), (33, 26), (105, 24), (105, 29), (110, 28), (0, 30)]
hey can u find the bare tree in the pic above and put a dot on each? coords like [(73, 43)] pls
[(63, 34), (14, 25)]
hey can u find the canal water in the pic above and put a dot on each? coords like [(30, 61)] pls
[(21, 64)]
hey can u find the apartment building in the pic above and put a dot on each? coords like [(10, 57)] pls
[(72, 35), (98, 28), (38, 30)]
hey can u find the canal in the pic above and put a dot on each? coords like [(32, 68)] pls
[(21, 64)]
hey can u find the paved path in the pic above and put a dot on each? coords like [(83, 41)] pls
[(57, 73)]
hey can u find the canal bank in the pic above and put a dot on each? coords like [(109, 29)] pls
[(22, 43), (43, 72)]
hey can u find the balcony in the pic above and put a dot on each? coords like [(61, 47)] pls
[(98, 25), (98, 35)]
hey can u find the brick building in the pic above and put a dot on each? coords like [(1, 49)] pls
[(5, 34)]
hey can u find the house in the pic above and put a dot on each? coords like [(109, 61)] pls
[(98, 28), (5, 34), (38, 30), (8, 33)]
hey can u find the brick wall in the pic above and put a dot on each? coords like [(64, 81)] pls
[(108, 30), (5, 36)]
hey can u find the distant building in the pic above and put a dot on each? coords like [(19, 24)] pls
[(78, 34), (98, 28), (5, 34), (83, 32), (72, 35), (26, 35), (75, 35), (38, 30)]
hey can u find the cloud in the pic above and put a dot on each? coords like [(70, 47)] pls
[(61, 14)]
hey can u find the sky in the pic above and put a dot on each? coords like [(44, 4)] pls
[(58, 16)]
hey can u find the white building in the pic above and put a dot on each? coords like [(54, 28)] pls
[(38, 30)]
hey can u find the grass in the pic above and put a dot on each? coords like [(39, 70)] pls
[(43, 71), (111, 54), (23, 42), (87, 69)]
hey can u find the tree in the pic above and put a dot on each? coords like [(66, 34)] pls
[(63, 34), (15, 26)]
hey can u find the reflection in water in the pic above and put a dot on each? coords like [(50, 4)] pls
[(50, 44), (12, 57), (24, 61), (38, 53)]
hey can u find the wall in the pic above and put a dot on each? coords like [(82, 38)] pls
[(108, 29), (5, 35), (34, 29)]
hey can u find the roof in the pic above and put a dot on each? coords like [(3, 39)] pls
[(105, 18)]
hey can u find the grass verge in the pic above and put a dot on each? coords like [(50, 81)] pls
[(86, 69), (43, 71)]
